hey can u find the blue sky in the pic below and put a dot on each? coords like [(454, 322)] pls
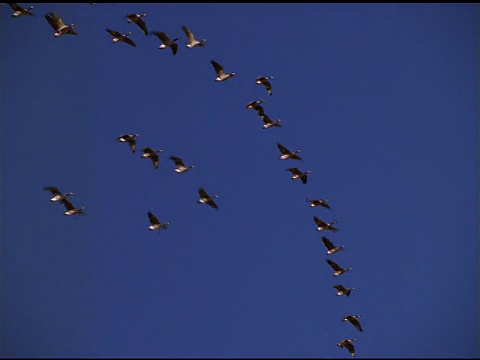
[(382, 100)]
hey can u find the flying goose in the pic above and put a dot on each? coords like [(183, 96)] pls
[(338, 269), (297, 174), (332, 249), (152, 154), (20, 11), (347, 343), (155, 224), (354, 320), (342, 290), (269, 122), (207, 199), (322, 225), (287, 154), (119, 37), (137, 19), (221, 75), (130, 139), (71, 210), (192, 41), (57, 194), (166, 42), (59, 26), (264, 80), (321, 202), (256, 106), (180, 166)]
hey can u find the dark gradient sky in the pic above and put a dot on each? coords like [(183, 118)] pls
[(382, 100)]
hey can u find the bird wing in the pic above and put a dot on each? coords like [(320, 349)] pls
[(212, 203), (334, 265), (133, 143), (114, 33), (68, 204), (283, 149), (53, 189), (294, 171), (148, 151), (319, 221), (142, 25), (328, 243), (355, 323), (304, 177), (153, 219), (350, 347), (162, 36), (218, 68), (259, 109), (340, 288), (177, 160), (15, 6), (129, 41), (203, 194), (190, 36), (55, 21), (156, 160), (174, 47), (266, 119)]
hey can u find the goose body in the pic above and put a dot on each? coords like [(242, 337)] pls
[(342, 290), (265, 81), (256, 106), (57, 194), (192, 41), (287, 154), (152, 154), (321, 202), (297, 174), (322, 225), (331, 249), (347, 344), (337, 268), (70, 209), (137, 19), (20, 11), (353, 319), (180, 166), (130, 139), (207, 199), (56, 22), (221, 74), (156, 224), (166, 42), (267, 122), (119, 37)]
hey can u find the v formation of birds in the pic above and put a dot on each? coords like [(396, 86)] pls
[(61, 28)]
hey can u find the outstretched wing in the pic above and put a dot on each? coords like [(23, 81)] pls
[(153, 219), (294, 171), (174, 47), (142, 25), (129, 41), (68, 204), (283, 149), (15, 6), (218, 68), (114, 33), (319, 221), (203, 194), (55, 21), (328, 243), (177, 160), (190, 36), (334, 265), (53, 189), (162, 36)]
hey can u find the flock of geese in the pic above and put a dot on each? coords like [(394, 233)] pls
[(61, 29)]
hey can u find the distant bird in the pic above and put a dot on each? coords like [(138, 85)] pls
[(338, 269), (354, 320), (155, 224), (297, 174), (180, 166), (322, 225), (332, 249), (321, 202), (221, 74), (152, 154), (56, 22), (119, 37), (72, 210), (20, 11), (347, 343), (207, 199), (192, 41), (342, 290), (57, 194), (264, 80), (287, 154), (130, 139), (166, 42), (269, 122), (256, 106), (137, 19)]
